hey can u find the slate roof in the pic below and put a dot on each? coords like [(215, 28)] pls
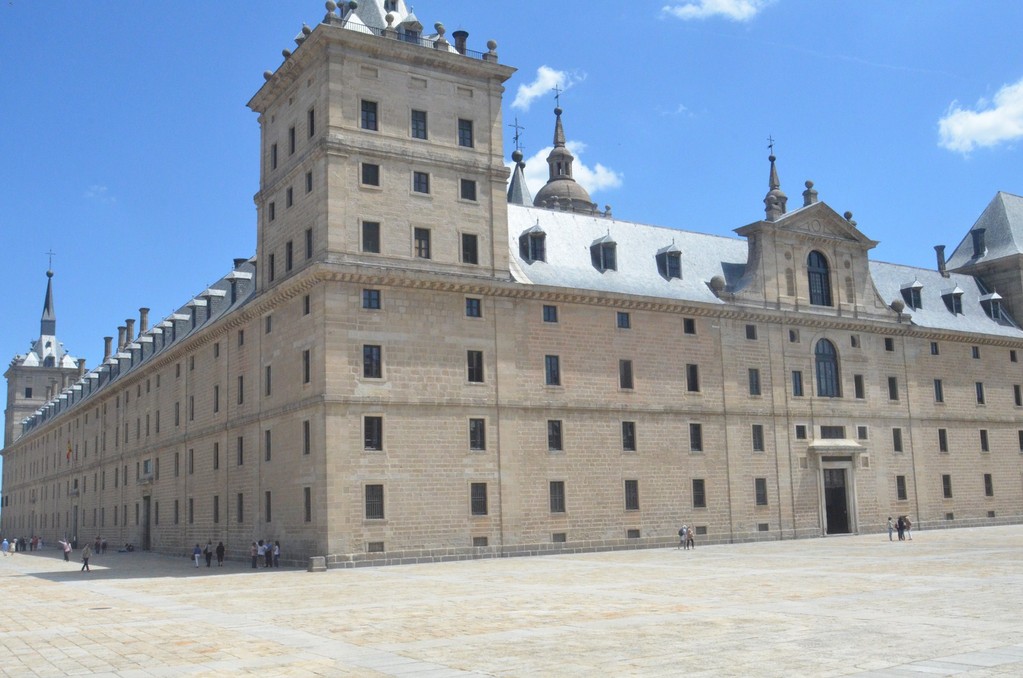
[(1002, 221)]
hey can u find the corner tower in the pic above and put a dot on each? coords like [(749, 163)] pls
[(34, 377), (381, 147)]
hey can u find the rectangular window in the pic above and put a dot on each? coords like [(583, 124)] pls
[(832, 432), (368, 118), (939, 391), (216, 509), (975, 352), (372, 362), (371, 237), (1017, 395), (557, 496), (554, 441), (465, 137), (631, 495), (760, 490), (942, 440), (306, 437), (692, 378), (550, 313), (478, 499), (900, 488), (984, 446), (477, 435), (307, 502), (699, 493), (291, 140), (1019, 434), (216, 404), (897, 439), (371, 299), (421, 238), (241, 451), (758, 437), (754, 381), (858, 389), (289, 197), (370, 174), (309, 185), (980, 392), (177, 513), (797, 383), (688, 325), (268, 381), (624, 320), (552, 370), (418, 128), (467, 189), (420, 182), (629, 436), (625, 374), (989, 485), (1012, 355), (268, 324), (889, 344), (473, 307), (306, 367), (893, 388), (239, 508), (216, 456), (273, 156), (267, 445), (946, 486), (373, 433), (241, 337), (191, 464), (470, 249), (474, 365), (374, 502), (695, 437), (800, 431), (272, 209), (751, 332), (268, 516), (934, 348), (191, 511)]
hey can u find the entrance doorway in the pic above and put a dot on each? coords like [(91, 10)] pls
[(836, 501)]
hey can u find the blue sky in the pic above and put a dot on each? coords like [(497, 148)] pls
[(128, 149)]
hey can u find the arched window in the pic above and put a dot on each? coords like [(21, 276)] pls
[(828, 382), (820, 279)]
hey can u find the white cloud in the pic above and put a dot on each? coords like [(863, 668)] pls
[(594, 179), (99, 194), (990, 124), (734, 10), (546, 80)]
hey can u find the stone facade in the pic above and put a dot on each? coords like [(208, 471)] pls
[(394, 377)]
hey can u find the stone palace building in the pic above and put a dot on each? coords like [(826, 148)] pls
[(421, 361)]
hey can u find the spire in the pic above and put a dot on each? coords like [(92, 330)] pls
[(48, 323), (561, 189), (559, 131), (774, 201), (518, 192)]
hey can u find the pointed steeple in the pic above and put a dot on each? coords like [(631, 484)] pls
[(561, 190), (774, 201), (518, 192), (48, 323)]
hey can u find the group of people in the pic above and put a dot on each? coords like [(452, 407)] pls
[(685, 538), (207, 552), (265, 553), (15, 544), (903, 525)]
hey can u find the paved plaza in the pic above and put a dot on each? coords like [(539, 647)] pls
[(946, 603)]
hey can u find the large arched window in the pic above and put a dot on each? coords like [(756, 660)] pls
[(820, 279), (828, 383)]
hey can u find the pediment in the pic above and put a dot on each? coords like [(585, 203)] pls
[(817, 221)]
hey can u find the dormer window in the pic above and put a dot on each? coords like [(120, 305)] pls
[(954, 300), (533, 244), (819, 277), (411, 36), (602, 252), (390, 5), (911, 294), (669, 262), (992, 304)]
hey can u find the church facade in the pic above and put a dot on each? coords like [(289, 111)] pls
[(421, 361)]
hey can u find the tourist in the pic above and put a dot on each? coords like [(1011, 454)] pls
[(220, 554), (690, 542), (208, 552), (900, 526), (909, 526), (197, 554), (681, 537), (891, 528), (86, 554), (5, 546), (66, 546), (277, 554), (254, 552)]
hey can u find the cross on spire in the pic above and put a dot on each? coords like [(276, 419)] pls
[(557, 95), (518, 133), (50, 254), (770, 143)]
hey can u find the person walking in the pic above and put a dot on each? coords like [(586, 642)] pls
[(681, 537), (86, 554), (277, 554), (683, 534), (208, 552), (5, 546), (690, 542), (220, 554), (891, 528), (197, 554), (900, 526), (66, 546), (254, 552), (909, 527)]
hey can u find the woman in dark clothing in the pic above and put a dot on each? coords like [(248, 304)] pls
[(220, 554)]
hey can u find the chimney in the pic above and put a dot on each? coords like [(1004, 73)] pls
[(143, 320), (460, 37), (940, 251), (129, 334), (81, 367), (979, 248), (120, 338), (106, 347)]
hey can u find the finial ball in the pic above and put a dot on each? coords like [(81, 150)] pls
[(808, 184), (517, 155), (330, 5), (267, 75), (847, 215), (491, 45), (557, 111)]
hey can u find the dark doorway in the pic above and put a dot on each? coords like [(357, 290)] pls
[(836, 501), (145, 523)]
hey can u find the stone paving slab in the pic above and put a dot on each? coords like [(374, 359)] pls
[(945, 604)]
